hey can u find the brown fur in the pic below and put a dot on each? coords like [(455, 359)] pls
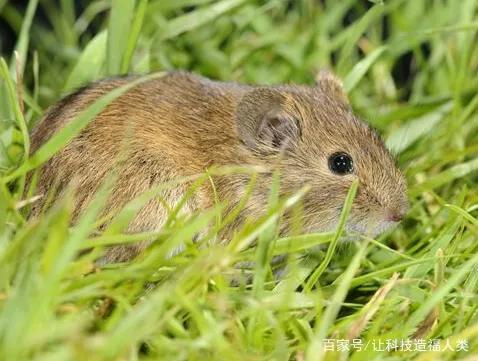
[(181, 124)]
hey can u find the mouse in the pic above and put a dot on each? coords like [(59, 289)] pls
[(182, 124)]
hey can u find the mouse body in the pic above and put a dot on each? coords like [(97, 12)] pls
[(181, 124)]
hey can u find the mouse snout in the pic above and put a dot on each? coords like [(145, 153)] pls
[(396, 214), (396, 208)]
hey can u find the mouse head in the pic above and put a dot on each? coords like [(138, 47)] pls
[(311, 134)]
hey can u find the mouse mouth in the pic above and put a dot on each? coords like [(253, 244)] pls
[(370, 229), (355, 227)]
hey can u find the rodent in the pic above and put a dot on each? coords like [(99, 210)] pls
[(181, 124)]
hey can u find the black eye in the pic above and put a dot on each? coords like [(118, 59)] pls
[(341, 163)]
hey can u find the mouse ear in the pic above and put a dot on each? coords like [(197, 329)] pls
[(263, 122), (327, 81)]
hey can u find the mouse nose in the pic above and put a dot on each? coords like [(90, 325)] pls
[(394, 216)]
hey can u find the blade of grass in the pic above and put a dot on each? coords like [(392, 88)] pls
[(447, 176), (355, 31), (89, 65), (314, 277), (134, 35), (119, 26), (361, 68), (436, 297), (15, 105), (315, 350), (22, 43), (411, 131), (196, 18)]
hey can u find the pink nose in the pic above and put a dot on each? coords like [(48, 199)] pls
[(395, 216)]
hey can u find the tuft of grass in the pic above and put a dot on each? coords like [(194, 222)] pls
[(411, 70)]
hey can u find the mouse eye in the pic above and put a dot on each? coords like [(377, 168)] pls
[(341, 163)]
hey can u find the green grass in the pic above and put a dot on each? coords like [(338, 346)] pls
[(420, 280)]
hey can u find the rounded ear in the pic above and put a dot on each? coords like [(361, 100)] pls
[(264, 123), (327, 81)]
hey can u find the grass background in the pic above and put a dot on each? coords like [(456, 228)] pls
[(410, 68)]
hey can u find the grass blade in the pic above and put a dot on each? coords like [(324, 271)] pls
[(316, 351), (134, 35), (197, 18), (22, 42), (89, 65), (361, 68), (118, 31), (314, 277)]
